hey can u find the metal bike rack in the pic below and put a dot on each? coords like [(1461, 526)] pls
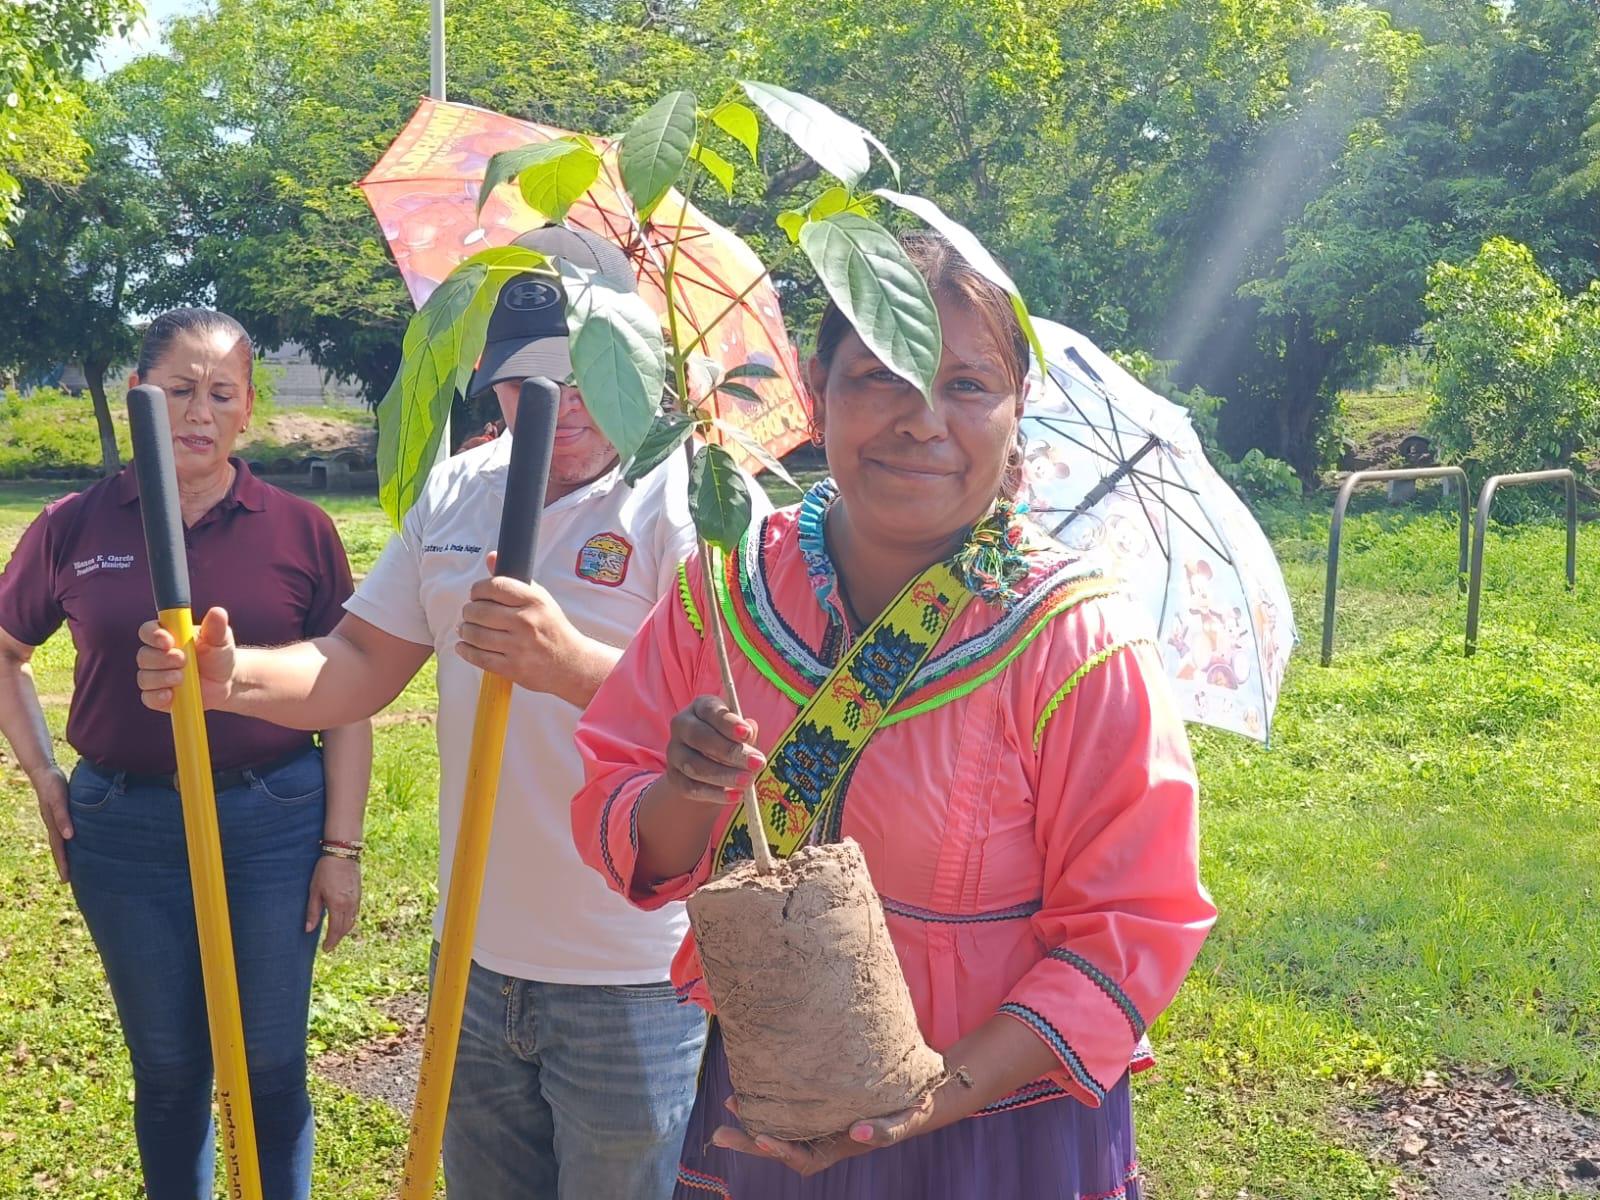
[(1336, 531), (1481, 530)]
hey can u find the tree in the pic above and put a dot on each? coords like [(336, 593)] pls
[(1493, 132), (42, 45), (1517, 386), (264, 114), (84, 258)]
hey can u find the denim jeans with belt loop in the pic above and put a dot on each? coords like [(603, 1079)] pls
[(570, 1091), (130, 875)]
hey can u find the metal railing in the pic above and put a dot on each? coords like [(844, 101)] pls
[(1336, 531), (1481, 530)]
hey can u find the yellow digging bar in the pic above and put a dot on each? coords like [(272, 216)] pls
[(526, 479), (169, 573)]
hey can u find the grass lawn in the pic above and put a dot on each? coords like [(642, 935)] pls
[(1405, 879), (1368, 416)]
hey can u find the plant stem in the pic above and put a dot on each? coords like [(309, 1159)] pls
[(765, 863), (752, 808)]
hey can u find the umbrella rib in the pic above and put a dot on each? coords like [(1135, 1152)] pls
[(1110, 450), (1145, 499), (1187, 524), (1106, 486), (1104, 457)]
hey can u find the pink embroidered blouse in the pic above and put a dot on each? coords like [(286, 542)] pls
[(1027, 809)]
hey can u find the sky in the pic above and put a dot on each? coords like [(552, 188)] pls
[(144, 37)]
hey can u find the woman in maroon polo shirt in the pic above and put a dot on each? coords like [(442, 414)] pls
[(290, 812)]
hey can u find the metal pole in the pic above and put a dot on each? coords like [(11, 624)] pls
[(436, 91), (436, 51), (1330, 590), (1485, 502), (169, 575), (527, 478), (1475, 586)]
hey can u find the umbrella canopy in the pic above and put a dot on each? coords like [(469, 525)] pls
[(1116, 472), (424, 192)]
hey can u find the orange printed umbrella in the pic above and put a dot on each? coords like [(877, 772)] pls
[(424, 192)]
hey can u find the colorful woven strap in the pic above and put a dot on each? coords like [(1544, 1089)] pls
[(801, 779)]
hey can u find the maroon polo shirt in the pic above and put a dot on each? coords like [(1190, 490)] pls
[(273, 560)]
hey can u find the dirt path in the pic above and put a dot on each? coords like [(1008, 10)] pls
[(385, 1069), (1475, 1137)]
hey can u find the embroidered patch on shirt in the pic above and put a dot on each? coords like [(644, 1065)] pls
[(604, 559)]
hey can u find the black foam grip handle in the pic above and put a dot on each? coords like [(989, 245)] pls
[(158, 495), (532, 438)]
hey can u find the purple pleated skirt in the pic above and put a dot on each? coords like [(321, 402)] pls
[(1056, 1149)]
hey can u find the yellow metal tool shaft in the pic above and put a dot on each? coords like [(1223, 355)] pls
[(448, 996), (527, 476), (234, 1114)]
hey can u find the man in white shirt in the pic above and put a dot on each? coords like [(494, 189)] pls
[(577, 1065)]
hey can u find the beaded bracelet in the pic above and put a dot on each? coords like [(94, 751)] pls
[(350, 851)]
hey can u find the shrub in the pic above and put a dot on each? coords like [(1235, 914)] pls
[(1518, 385)]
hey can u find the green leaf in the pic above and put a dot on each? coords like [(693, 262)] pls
[(837, 145), (652, 153), (882, 294), (509, 164), (554, 185), (718, 167), (792, 221), (974, 251), (738, 122), (757, 451), (740, 391), (835, 199), (411, 413), (750, 370), (618, 357), (441, 346), (719, 501), (669, 431)]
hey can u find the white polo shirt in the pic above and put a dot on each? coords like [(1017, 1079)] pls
[(606, 553)]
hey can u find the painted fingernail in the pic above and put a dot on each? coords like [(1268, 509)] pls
[(754, 760), (768, 1147), (741, 731), (735, 793), (861, 1133)]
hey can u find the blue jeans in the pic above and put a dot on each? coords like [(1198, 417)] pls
[(570, 1092), (130, 874)]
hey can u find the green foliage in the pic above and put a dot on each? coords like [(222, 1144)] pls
[(42, 46), (719, 500), (837, 145), (619, 359), (880, 292), (85, 259), (442, 345), (48, 430), (651, 155), (262, 115), (1254, 476), (551, 175), (1518, 383), (668, 431), (1254, 191)]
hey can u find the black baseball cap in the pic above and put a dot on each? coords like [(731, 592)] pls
[(527, 334)]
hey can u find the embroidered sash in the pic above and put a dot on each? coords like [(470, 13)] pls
[(801, 780)]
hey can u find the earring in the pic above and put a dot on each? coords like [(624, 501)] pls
[(817, 436)]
